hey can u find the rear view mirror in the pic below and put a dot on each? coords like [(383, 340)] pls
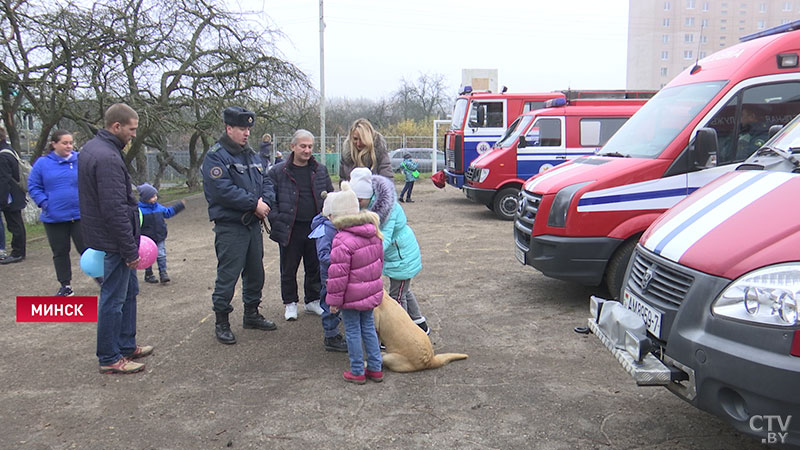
[(522, 142), (704, 150)]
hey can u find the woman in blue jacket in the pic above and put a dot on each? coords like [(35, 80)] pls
[(53, 185)]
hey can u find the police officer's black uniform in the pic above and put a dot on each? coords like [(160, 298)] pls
[(233, 180)]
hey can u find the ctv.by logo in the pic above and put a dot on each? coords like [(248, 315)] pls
[(777, 429)]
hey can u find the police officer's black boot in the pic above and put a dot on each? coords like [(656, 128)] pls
[(252, 319), (223, 329)]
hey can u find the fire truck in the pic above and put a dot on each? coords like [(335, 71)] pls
[(481, 118), (539, 140), (580, 221), (709, 306)]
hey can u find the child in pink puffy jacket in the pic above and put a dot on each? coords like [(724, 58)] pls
[(354, 281)]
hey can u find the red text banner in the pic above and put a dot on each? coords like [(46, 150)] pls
[(56, 309)]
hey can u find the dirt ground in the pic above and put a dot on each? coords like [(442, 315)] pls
[(529, 382)]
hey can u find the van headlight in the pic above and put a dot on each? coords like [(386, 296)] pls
[(768, 295), (560, 206), (484, 172)]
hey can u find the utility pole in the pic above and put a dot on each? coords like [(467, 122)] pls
[(321, 83)]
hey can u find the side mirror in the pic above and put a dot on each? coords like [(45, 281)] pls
[(704, 150), (522, 142), (773, 130)]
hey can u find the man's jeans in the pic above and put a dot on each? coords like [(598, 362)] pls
[(116, 314), (360, 326)]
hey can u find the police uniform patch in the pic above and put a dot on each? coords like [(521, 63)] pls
[(215, 172)]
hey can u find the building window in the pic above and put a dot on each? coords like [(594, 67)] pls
[(762, 24), (762, 7), (665, 22), (689, 4), (705, 6), (665, 38), (704, 23), (785, 21), (689, 22), (703, 39), (663, 71), (787, 6), (687, 54), (665, 55), (667, 6), (702, 55), (688, 38)]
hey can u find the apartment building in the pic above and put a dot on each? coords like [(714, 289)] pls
[(666, 36)]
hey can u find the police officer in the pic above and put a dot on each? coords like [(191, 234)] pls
[(239, 195)]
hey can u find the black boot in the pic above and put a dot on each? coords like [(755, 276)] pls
[(223, 329), (149, 277), (252, 319), (163, 277)]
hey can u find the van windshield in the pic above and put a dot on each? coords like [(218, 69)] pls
[(459, 114), (660, 120), (513, 132)]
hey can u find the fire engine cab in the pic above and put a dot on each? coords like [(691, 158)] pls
[(480, 119), (709, 306), (539, 140), (580, 221)]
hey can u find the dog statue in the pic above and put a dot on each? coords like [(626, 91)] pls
[(408, 348)]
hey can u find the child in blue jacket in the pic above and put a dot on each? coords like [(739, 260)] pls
[(323, 231), (409, 170), (154, 226)]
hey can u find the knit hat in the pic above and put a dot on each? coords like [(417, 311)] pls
[(146, 192), (361, 181), (342, 203)]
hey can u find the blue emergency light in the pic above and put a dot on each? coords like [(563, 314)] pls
[(555, 102), (467, 90)]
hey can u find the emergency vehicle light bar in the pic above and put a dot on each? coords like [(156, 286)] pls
[(554, 102), (791, 26)]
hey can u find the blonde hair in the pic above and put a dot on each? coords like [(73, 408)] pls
[(367, 134)]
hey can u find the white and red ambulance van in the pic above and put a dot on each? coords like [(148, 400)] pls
[(709, 305), (581, 220), (539, 140), (480, 119)]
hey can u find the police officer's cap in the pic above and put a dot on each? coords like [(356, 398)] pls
[(237, 116)]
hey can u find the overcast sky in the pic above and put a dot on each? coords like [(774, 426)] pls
[(536, 45)]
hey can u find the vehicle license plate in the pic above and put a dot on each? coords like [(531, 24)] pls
[(520, 255), (650, 315)]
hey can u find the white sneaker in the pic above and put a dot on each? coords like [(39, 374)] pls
[(314, 308), (291, 311)]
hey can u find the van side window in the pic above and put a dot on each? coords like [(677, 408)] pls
[(486, 115), (544, 133), (595, 132), (743, 123), (530, 106)]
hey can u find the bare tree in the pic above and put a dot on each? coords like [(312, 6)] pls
[(422, 99)]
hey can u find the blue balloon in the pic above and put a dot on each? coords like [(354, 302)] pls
[(92, 262)]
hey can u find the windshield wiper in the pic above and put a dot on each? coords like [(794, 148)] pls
[(614, 155), (787, 155)]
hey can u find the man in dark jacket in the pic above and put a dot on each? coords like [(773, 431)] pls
[(239, 196), (299, 182), (12, 199), (110, 223)]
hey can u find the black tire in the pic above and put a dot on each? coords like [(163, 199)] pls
[(615, 272), (505, 203)]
